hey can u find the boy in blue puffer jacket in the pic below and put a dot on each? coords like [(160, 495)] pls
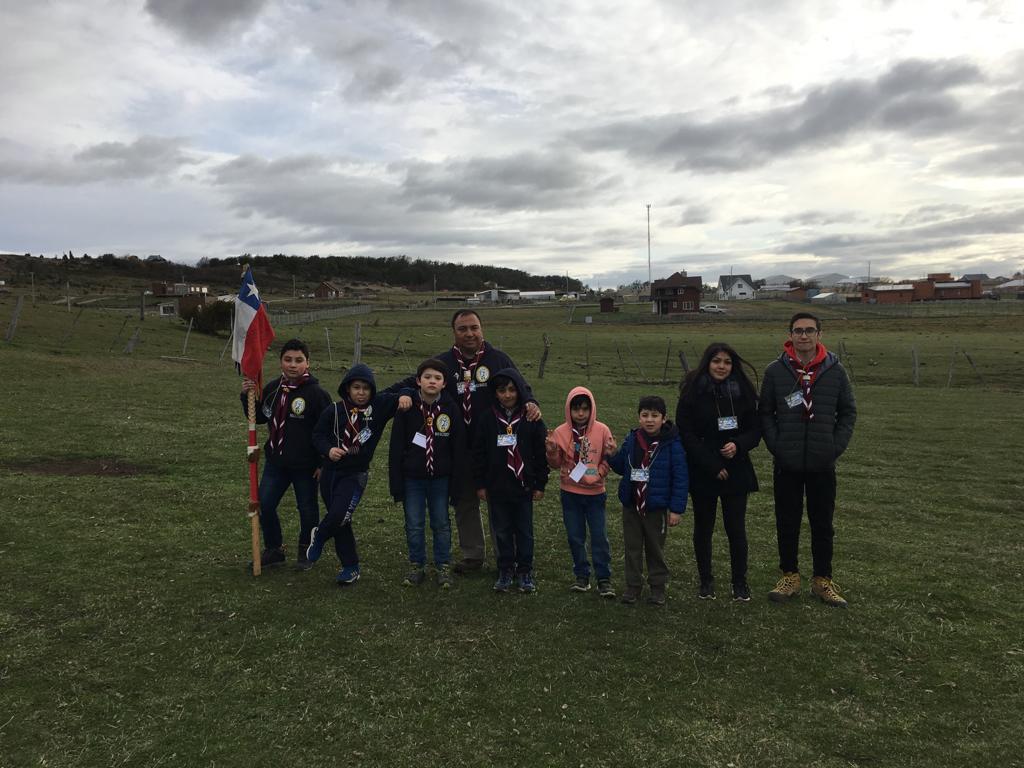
[(653, 494)]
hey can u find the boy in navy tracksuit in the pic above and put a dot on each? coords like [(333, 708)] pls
[(346, 436), (653, 494), (291, 405), (510, 472), (421, 463)]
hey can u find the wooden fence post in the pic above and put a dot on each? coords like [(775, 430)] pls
[(952, 361), (586, 349), (682, 361), (543, 357), (130, 346), (14, 320), (913, 357), (974, 367), (184, 347), (639, 372), (357, 349), (664, 373), (330, 356), (71, 328)]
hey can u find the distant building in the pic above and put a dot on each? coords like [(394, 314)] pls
[(536, 295), (828, 297), (937, 286), (499, 295), (608, 304), (328, 289), (677, 294), (782, 292), (899, 293), (179, 289), (735, 287)]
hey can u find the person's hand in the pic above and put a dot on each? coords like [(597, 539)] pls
[(316, 474), (336, 454), (532, 412), (673, 519), (550, 446), (538, 495), (723, 474), (481, 493), (247, 385), (610, 447), (404, 403), (728, 450)]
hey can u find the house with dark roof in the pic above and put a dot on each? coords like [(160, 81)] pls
[(677, 294), (735, 287)]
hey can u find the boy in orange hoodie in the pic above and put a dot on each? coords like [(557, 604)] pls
[(577, 449)]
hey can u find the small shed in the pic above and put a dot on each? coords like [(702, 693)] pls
[(608, 304), (329, 290)]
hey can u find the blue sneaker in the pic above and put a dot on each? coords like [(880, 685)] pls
[(504, 582), (348, 575), (526, 582), (316, 546)]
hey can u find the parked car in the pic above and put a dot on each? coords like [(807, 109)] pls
[(713, 309)]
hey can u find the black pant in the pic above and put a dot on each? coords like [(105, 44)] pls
[(341, 494), (512, 526), (820, 488), (734, 516)]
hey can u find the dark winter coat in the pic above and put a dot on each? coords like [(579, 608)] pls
[(799, 444), (697, 415), (305, 405), (331, 426), (406, 459), (490, 461), (668, 480)]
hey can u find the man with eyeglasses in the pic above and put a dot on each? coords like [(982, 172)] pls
[(807, 415)]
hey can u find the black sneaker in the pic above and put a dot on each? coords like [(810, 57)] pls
[(302, 562), (582, 584), (707, 589), (741, 592), (415, 576), (605, 588), (526, 583), (271, 557), (504, 582), (467, 566), (657, 596), (630, 595)]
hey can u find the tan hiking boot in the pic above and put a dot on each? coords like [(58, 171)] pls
[(786, 588), (827, 591)]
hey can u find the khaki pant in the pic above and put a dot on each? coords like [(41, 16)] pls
[(644, 539), (468, 521)]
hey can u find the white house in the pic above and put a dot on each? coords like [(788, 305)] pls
[(735, 287), (537, 295), (498, 295)]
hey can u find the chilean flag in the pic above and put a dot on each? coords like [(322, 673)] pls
[(253, 334)]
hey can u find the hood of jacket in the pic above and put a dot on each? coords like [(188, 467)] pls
[(573, 394), (517, 379), (363, 373)]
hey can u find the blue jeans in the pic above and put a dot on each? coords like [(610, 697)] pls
[(341, 494), (512, 526), (422, 494), (273, 484), (579, 512)]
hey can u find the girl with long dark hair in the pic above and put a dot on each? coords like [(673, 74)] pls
[(717, 418)]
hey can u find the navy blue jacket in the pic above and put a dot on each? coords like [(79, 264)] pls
[(668, 481), (406, 459), (305, 406), (331, 426), (490, 461)]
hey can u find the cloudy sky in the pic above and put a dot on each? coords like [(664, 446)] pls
[(768, 137)]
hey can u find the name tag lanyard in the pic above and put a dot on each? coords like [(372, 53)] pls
[(726, 423)]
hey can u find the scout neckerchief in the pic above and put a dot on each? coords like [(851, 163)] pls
[(430, 413), (640, 487), (348, 438), (467, 370), (806, 374), (578, 434), (284, 389), (515, 459)]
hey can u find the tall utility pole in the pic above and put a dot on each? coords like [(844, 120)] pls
[(650, 283)]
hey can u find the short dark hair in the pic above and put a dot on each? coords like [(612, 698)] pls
[(804, 316), (465, 311), (581, 400), (652, 403), (295, 345), (435, 365), (501, 381)]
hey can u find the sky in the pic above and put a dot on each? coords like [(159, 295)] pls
[(782, 137)]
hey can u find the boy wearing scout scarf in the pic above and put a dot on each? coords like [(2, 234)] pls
[(421, 464), (290, 405)]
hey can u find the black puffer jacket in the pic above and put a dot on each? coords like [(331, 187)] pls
[(799, 444), (697, 418)]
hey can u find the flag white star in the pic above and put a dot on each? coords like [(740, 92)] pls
[(253, 291)]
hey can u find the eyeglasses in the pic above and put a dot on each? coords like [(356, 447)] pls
[(803, 331)]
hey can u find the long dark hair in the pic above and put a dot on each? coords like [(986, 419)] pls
[(699, 378)]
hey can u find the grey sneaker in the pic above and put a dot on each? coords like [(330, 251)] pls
[(707, 589), (444, 576), (582, 584), (605, 588), (414, 577)]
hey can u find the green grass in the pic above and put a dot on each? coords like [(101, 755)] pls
[(132, 633)]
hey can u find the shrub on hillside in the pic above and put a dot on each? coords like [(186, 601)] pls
[(211, 318)]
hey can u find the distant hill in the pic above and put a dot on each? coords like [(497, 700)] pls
[(829, 279), (274, 274), (778, 279)]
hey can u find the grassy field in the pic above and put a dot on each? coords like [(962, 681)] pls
[(132, 633)]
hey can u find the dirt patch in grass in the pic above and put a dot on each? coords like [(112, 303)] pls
[(77, 467)]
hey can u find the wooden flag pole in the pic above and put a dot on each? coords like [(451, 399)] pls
[(253, 457)]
